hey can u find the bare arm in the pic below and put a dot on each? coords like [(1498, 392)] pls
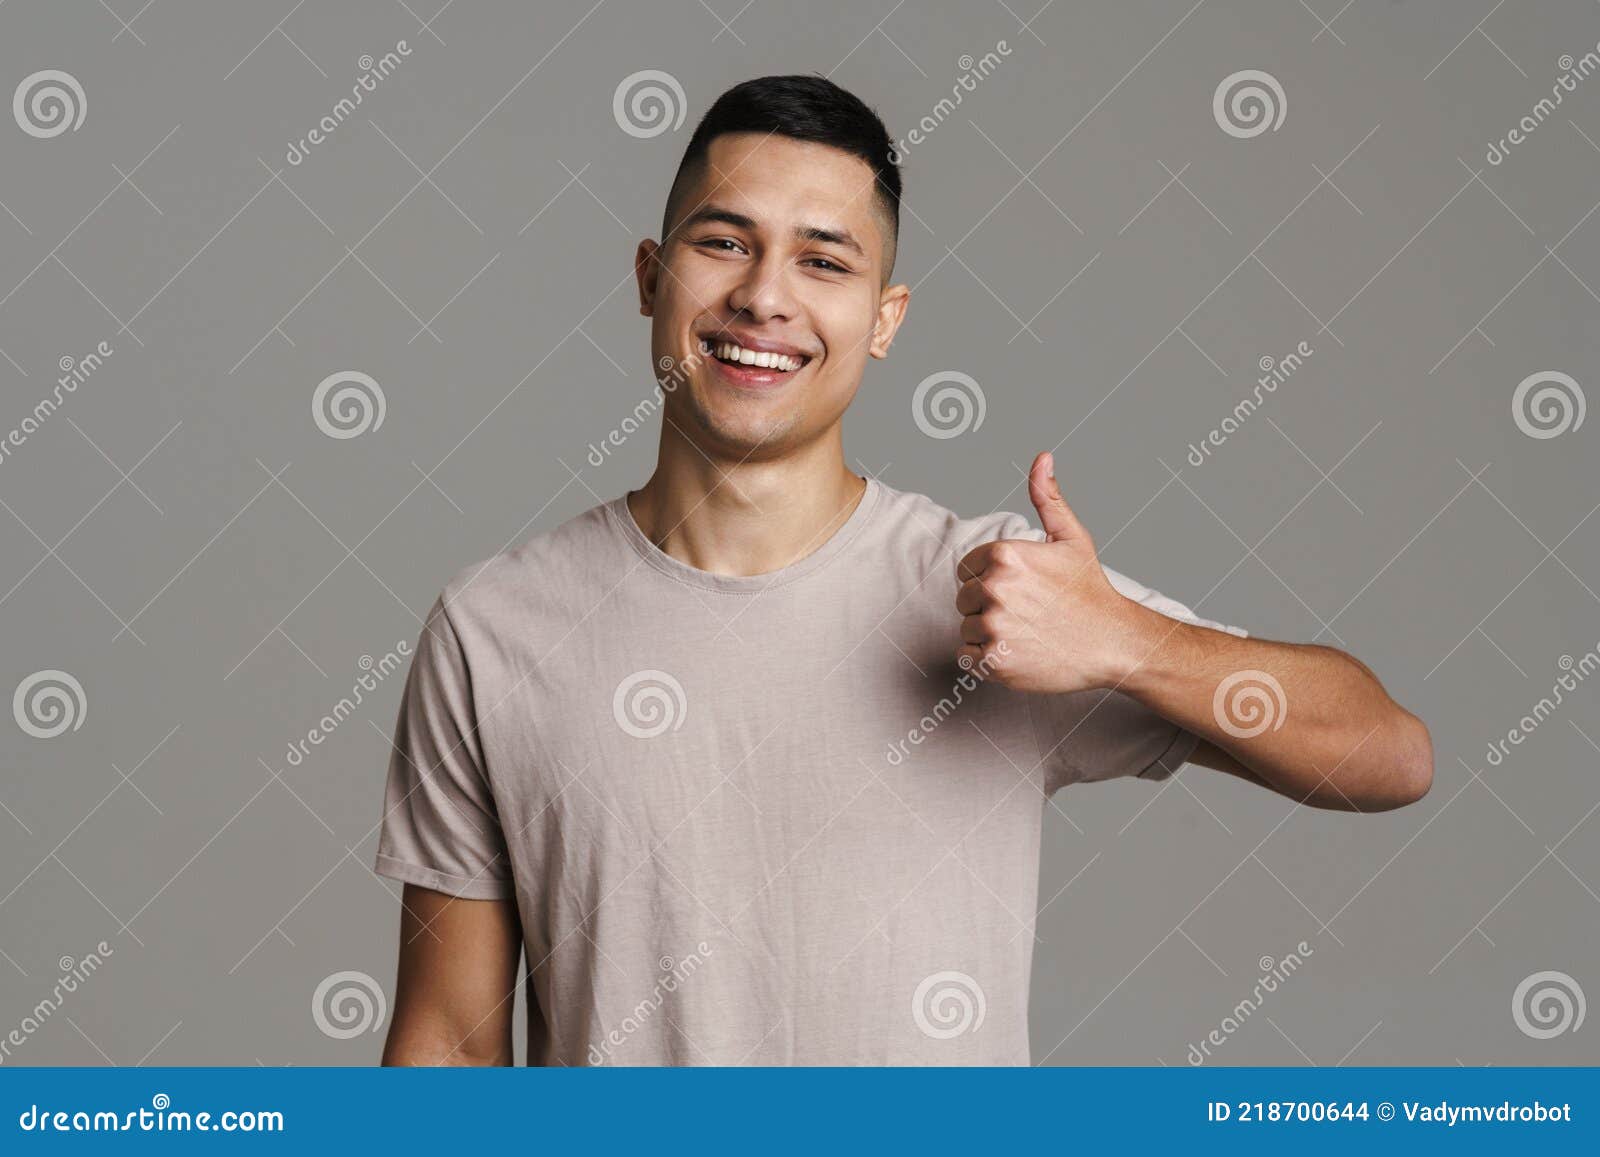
[(1308, 721), (456, 989)]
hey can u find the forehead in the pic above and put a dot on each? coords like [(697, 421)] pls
[(779, 182)]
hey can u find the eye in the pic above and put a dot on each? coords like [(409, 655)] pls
[(717, 243), (833, 267)]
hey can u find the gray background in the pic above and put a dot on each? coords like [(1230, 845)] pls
[(184, 540)]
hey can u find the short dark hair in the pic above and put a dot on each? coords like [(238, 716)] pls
[(804, 108)]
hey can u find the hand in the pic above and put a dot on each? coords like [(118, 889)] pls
[(1043, 616)]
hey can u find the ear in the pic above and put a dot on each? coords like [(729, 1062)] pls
[(646, 269), (892, 305)]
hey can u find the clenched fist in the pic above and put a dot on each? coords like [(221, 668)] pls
[(1063, 625)]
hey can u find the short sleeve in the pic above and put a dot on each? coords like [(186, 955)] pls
[(1085, 736), (440, 827)]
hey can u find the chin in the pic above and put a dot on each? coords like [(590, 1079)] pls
[(743, 436)]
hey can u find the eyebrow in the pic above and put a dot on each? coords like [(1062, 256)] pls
[(808, 233)]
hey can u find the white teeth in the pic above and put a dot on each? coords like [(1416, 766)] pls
[(732, 352)]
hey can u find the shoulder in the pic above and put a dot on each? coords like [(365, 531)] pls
[(545, 573), (933, 535), (926, 530)]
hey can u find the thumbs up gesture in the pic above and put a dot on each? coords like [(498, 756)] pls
[(1043, 616)]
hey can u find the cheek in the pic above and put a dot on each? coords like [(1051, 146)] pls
[(848, 335), (683, 297), (685, 284)]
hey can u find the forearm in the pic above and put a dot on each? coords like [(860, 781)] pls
[(1311, 721), (1308, 721)]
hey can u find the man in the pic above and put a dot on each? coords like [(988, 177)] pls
[(750, 764)]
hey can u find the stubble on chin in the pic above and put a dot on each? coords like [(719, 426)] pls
[(740, 434)]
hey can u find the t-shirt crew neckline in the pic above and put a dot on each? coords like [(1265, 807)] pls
[(622, 518)]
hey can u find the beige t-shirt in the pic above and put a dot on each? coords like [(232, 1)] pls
[(748, 820)]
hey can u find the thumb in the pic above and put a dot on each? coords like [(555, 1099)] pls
[(1059, 523)]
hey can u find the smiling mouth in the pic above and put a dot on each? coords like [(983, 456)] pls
[(733, 355)]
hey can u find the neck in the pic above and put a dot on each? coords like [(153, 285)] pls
[(742, 518)]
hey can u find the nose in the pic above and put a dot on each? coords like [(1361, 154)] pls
[(764, 292)]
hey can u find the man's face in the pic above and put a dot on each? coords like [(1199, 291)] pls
[(776, 249)]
